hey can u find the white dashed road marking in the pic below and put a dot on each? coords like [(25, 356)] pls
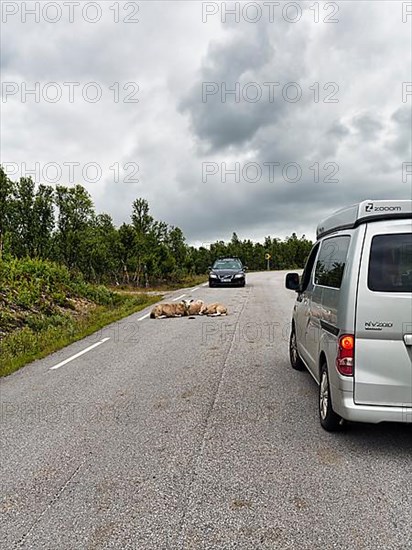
[(79, 354), (144, 317), (193, 289), (178, 298)]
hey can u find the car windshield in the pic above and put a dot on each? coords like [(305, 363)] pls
[(227, 264)]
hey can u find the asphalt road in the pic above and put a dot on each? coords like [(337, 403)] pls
[(194, 434)]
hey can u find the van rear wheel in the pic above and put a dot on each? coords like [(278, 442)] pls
[(294, 357), (329, 420)]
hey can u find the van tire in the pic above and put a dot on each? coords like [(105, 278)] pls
[(294, 357), (329, 420)]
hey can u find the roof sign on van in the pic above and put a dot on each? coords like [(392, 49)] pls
[(363, 212), (373, 207)]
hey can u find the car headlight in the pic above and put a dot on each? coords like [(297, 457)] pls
[(212, 275), (238, 275)]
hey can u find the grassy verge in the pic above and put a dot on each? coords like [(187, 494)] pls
[(27, 344), (44, 308)]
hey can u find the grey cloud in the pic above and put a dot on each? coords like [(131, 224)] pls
[(338, 130), (171, 132), (219, 120), (278, 209), (368, 125), (401, 144)]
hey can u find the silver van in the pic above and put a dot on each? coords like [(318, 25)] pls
[(352, 320)]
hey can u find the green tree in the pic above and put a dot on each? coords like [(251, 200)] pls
[(43, 221), (126, 251), (6, 208), (141, 219), (98, 250), (23, 211), (75, 214), (142, 223), (177, 245)]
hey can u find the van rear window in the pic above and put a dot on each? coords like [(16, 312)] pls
[(390, 263)]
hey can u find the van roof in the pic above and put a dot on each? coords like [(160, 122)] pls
[(363, 212)]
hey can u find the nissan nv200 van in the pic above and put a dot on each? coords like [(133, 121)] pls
[(352, 319)]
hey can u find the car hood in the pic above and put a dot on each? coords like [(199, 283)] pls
[(226, 272)]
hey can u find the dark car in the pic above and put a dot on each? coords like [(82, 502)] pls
[(227, 272)]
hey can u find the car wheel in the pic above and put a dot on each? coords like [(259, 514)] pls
[(295, 359), (329, 420), (210, 285)]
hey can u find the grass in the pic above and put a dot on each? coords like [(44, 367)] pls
[(43, 307)]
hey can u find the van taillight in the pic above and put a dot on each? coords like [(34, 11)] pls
[(346, 350)]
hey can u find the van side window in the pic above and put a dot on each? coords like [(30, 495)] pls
[(390, 263), (307, 272), (331, 261)]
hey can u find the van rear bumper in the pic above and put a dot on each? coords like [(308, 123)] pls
[(344, 405)]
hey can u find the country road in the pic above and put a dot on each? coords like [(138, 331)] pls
[(193, 434)]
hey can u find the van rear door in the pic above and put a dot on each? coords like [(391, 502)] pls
[(383, 337)]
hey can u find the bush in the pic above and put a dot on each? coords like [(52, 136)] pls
[(40, 283)]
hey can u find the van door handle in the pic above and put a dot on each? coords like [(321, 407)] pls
[(408, 339)]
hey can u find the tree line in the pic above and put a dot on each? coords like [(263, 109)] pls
[(60, 224)]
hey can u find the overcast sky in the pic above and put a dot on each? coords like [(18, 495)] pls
[(320, 116)]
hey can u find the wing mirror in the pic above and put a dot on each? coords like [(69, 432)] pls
[(292, 282)]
